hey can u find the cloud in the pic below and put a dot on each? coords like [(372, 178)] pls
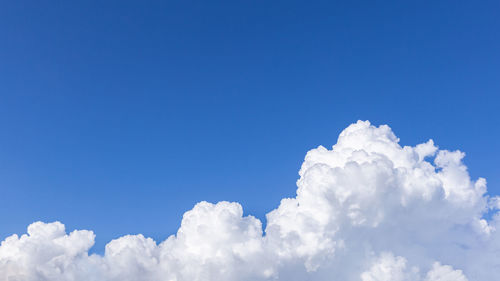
[(368, 209)]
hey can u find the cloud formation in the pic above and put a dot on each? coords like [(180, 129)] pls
[(368, 209)]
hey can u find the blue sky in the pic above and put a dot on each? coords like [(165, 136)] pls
[(120, 116)]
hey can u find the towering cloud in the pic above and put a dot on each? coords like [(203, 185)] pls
[(368, 210)]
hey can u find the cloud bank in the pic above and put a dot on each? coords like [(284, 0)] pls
[(368, 209)]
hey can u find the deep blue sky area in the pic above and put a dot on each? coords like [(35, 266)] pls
[(118, 116)]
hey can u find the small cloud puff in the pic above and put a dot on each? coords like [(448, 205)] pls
[(367, 209)]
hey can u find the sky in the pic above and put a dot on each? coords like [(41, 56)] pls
[(120, 116)]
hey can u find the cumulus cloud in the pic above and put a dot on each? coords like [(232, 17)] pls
[(367, 209)]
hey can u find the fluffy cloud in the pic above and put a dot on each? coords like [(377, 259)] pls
[(368, 209)]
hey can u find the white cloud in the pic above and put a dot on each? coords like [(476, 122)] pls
[(367, 209)]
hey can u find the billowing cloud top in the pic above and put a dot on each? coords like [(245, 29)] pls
[(368, 209)]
